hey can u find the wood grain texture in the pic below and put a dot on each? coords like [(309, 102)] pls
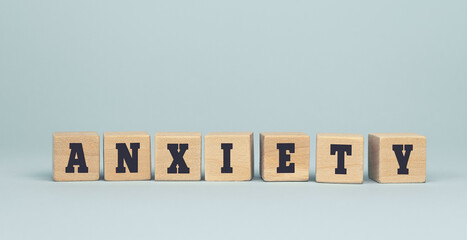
[(192, 156), (241, 156), (382, 162), (111, 155), (62, 151), (269, 156), (326, 163)]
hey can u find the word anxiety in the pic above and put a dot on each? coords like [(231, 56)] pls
[(228, 156)]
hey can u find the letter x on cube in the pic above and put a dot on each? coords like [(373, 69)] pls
[(178, 156)]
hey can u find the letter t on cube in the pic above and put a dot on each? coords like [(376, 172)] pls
[(339, 158)]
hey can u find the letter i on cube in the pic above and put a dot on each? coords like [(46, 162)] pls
[(228, 156)]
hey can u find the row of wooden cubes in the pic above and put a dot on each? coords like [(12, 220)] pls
[(228, 156)]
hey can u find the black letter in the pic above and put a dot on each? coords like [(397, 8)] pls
[(226, 168), (341, 149), (76, 150), (401, 158), (284, 158), (178, 158), (124, 154)]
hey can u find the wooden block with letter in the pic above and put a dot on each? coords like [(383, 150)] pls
[(127, 156), (397, 157), (76, 156), (285, 156), (228, 156), (178, 156), (339, 158)]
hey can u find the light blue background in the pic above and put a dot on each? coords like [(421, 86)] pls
[(310, 66)]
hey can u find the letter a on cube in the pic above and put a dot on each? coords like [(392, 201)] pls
[(76, 156)]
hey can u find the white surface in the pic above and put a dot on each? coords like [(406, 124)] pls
[(35, 206)]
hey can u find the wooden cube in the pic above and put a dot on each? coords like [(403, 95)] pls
[(76, 156), (228, 156), (285, 156), (339, 158), (397, 157), (178, 156), (127, 156)]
